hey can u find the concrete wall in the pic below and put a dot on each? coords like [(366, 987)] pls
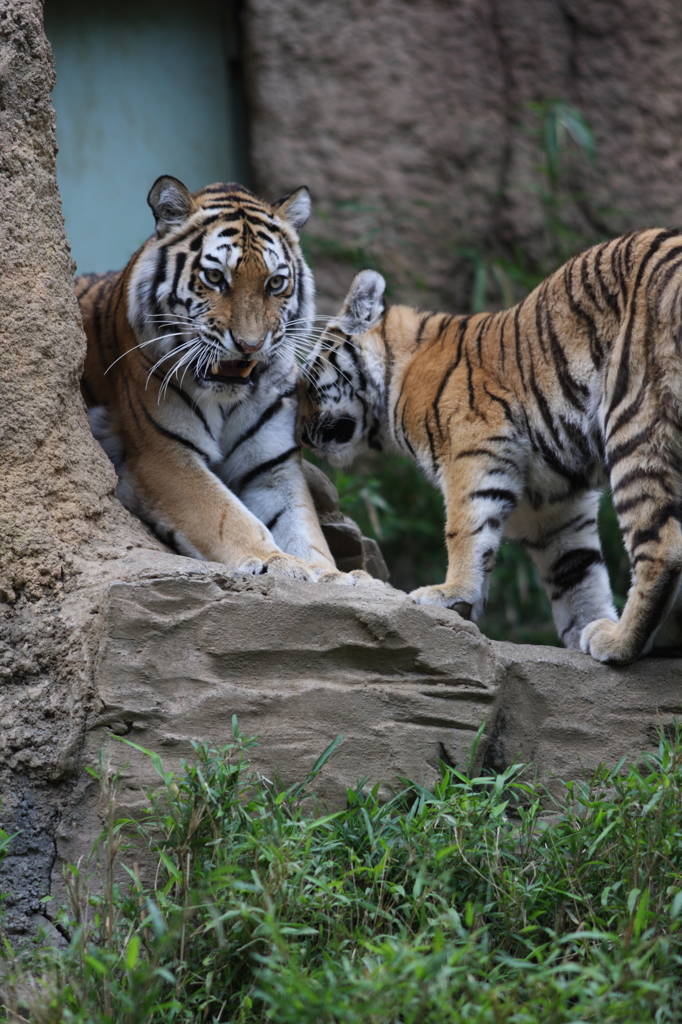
[(417, 127)]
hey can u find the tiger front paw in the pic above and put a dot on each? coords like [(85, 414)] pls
[(279, 564), (604, 641), (365, 579), (357, 577), (446, 596)]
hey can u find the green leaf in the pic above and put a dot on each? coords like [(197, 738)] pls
[(641, 915), (562, 121), (600, 838), (158, 923), (170, 865), (325, 755), (96, 965), (151, 754), (132, 953), (632, 899)]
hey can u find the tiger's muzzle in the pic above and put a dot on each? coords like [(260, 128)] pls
[(249, 347), (321, 432)]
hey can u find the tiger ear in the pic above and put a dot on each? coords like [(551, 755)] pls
[(364, 305), (171, 203), (295, 208)]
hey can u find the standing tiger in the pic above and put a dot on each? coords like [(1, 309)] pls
[(190, 379), (520, 417)]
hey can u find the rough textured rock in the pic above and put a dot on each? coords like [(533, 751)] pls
[(418, 126), (350, 549), (60, 523), (63, 533), (59, 519), (57, 482), (299, 664), (178, 647)]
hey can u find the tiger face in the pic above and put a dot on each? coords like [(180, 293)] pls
[(338, 412), (222, 291)]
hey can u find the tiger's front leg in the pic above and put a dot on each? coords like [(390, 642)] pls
[(173, 490), (280, 498), (481, 487), (263, 468)]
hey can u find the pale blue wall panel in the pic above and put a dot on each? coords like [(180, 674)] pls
[(142, 90)]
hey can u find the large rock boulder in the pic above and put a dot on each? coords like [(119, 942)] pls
[(183, 646), (165, 650)]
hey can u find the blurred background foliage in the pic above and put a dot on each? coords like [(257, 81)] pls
[(388, 496)]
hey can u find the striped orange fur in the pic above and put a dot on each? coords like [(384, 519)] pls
[(521, 417), (190, 379)]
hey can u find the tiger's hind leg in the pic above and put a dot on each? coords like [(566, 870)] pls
[(563, 541), (646, 490)]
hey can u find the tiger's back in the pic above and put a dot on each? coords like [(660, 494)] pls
[(520, 416), (589, 358)]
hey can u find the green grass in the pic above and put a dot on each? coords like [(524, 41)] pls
[(465, 903)]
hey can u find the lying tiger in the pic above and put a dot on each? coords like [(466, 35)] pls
[(190, 379), (520, 417)]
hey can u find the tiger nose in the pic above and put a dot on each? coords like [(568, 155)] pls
[(247, 346)]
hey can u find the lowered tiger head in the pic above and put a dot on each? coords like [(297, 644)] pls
[(222, 291), (342, 387)]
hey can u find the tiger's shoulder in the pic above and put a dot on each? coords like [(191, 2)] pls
[(93, 291)]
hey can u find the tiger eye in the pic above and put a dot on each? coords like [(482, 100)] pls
[(213, 276), (276, 283)]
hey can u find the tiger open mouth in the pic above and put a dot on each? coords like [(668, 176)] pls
[(230, 371)]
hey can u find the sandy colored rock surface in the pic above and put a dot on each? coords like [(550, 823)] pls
[(299, 664), (406, 684), (61, 526), (177, 647)]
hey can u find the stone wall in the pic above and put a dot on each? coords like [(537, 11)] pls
[(417, 126)]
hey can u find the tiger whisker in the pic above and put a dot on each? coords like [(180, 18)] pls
[(307, 328), (169, 355), (179, 318), (207, 356), (304, 339), (185, 361), (306, 332), (158, 316), (307, 319), (142, 344), (306, 374), (174, 323)]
